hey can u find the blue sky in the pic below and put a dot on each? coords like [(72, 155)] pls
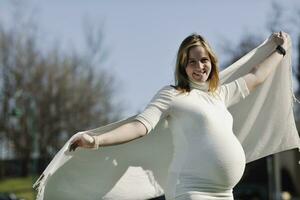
[(143, 36)]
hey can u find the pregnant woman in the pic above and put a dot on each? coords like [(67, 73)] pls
[(210, 124)]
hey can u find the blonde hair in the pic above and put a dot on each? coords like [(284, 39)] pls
[(181, 78)]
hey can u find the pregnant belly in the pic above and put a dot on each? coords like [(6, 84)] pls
[(214, 161)]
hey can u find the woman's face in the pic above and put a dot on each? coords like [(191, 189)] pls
[(199, 65)]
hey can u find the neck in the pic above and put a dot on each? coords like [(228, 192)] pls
[(204, 86)]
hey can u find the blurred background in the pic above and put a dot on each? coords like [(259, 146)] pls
[(71, 65)]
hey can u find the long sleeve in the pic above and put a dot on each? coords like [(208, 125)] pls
[(157, 109)]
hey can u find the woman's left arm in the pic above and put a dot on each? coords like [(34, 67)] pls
[(259, 73)]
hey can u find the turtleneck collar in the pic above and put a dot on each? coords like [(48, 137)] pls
[(204, 86)]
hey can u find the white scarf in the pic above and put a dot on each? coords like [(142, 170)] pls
[(263, 123)]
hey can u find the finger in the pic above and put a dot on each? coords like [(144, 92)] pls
[(276, 35), (284, 34), (74, 140), (70, 145), (88, 138), (76, 144), (73, 146)]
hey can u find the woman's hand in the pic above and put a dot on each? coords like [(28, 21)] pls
[(82, 140), (280, 38)]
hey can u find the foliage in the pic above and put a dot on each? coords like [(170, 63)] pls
[(47, 96)]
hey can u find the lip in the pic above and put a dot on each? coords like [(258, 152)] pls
[(199, 74)]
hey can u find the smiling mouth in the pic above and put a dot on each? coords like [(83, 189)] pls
[(200, 74)]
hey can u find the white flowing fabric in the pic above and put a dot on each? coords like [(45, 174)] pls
[(263, 123)]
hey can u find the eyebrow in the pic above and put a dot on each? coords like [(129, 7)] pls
[(201, 58)]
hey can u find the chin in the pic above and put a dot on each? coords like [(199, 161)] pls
[(202, 80)]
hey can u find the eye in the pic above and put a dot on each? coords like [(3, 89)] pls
[(205, 60), (192, 62)]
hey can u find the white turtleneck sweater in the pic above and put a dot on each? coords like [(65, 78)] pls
[(208, 159)]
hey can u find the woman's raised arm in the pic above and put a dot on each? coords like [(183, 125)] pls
[(124, 133), (259, 73), (143, 123)]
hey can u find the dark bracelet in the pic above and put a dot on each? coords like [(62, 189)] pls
[(280, 50)]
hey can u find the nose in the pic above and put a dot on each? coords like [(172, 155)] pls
[(200, 65)]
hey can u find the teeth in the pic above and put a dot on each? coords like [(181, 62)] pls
[(199, 73)]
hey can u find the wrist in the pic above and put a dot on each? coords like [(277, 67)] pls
[(281, 50), (97, 141)]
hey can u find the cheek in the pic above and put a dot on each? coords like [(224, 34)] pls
[(210, 71), (210, 67), (188, 70)]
